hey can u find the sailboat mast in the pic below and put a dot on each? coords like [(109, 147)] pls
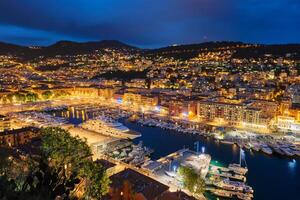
[(241, 156)]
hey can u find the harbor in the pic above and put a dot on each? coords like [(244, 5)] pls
[(281, 145), (262, 166)]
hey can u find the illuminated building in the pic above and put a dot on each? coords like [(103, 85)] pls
[(4, 123), (287, 123), (234, 114), (18, 136)]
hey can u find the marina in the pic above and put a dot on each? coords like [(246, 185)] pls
[(150, 100), (261, 166)]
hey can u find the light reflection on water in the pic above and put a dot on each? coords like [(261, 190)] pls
[(268, 175), (292, 165)]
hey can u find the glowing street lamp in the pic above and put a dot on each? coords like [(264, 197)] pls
[(203, 150), (119, 101), (157, 108), (184, 114)]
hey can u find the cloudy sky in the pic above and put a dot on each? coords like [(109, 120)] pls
[(149, 23)]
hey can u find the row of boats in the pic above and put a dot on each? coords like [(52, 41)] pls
[(169, 126), (230, 194), (132, 154), (280, 148), (286, 149), (230, 182), (56, 108), (39, 119)]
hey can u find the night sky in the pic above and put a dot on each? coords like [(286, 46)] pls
[(149, 23)]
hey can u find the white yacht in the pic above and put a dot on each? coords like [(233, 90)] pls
[(266, 149), (237, 168), (107, 126)]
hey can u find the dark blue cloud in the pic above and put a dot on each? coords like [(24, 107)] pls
[(149, 23)]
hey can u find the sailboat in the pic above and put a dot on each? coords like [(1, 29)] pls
[(237, 168)]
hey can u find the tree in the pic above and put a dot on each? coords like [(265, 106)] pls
[(31, 97), (47, 94), (65, 153), (191, 180), (42, 182), (199, 185), (64, 163), (20, 97), (61, 93), (7, 188), (96, 180), (71, 157), (5, 162)]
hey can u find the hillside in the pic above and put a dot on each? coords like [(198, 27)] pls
[(241, 50), (62, 48)]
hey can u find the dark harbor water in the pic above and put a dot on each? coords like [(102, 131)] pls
[(272, 177)]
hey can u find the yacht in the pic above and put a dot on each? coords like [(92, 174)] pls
[(244, 196), (287, 151), (107, 126), (266, 149), (222, 193), (297, 152), (237, 168), (236, 186), (278, 150)]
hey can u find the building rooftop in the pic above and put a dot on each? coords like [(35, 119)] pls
[(3, 117), (150, 188), (21, 130), (176, 196), (105, 163)]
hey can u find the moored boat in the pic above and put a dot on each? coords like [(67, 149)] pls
[(227, 142), (278, 151), (287, 151), (222, 193), (236, 168), (266, 150), (244, 196)]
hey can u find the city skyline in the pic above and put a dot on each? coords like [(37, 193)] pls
[(149, 24), (149, 99)]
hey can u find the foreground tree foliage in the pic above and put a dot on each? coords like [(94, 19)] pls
[(65, 154), (65, 169), (94, 176), (47, 95), (191, 180)]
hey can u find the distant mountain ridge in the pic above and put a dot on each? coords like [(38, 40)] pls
[(242, 50), (6, 48), (61, 48), (185, 51)]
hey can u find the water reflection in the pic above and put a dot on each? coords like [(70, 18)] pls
[(269, 175), (292, 165), (235, 149)]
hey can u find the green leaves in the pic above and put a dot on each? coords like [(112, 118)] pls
[(71, 155), (63, 150), (64, 168), (191, 180), (47, 95), (97, 181)]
